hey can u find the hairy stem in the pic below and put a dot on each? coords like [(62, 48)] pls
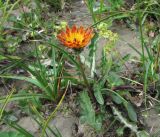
[(85, 78)]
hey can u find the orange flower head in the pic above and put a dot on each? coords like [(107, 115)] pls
[(76, 38)]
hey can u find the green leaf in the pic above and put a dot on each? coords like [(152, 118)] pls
[(2, 57), (92, 54), (126, 57), (115, 4), (131, 112), (17, 97), (123, 120), (120, 131), (116, 98), (114, 79), (11, 134), (98, 94), (24, 103), (30, 80), (88, 113), (17, 127), (142, 134)]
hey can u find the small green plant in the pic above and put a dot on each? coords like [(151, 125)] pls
[(147, 58), (51, 70), (115, 5)]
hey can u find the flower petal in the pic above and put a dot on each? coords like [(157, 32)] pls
[(74, 29), (75, 37)]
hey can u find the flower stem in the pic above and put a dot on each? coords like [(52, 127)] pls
[(85, 78)]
